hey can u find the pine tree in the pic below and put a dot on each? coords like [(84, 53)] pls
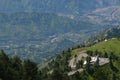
[(105, 55), (29, 70)]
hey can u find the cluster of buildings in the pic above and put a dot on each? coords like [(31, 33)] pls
[(83, 56)]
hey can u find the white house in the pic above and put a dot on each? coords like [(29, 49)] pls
[(94, 59)]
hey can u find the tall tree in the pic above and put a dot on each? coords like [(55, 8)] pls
[(29, 70), (103, 73), (106, 54)]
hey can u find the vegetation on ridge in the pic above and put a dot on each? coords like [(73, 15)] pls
[(57, 68)]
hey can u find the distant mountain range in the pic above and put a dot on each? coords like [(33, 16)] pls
[(104, 16), (38, 36), (55, 6), (109, 33), (39, 29)]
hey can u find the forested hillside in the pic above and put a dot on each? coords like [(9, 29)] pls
[(40, 29), (25, 25), (39, 36), (58, 68), (59, 39)]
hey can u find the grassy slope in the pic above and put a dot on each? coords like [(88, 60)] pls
[(112, 45)]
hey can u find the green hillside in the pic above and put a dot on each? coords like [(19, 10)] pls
[(111, 45), (58, 69)]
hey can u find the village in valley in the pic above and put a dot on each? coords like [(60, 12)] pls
[(79, 62)]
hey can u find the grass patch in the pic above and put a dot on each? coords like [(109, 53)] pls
[(117, 64), (111, 45)]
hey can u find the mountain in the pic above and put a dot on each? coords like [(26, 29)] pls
[(105, 41), (40, 29), (105, 55), (106, 50), (39, 36), (77, 7), (40, 23), (109, 33), (58, 68), (104, 16)]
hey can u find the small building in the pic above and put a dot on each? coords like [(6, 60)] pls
[(94, 59), (85, 62)]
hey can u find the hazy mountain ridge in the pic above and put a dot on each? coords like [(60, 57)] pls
[(39, 36), (55, 6), (45, 26), (41, 29), (110, 33), (104, 16)]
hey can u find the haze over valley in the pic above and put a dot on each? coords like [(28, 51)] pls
[(41, 29), (59, 39)]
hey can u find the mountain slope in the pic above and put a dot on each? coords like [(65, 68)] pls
[(104, 16), (34, 26), (106, 50), (38, 36), (106, 41), (110, 45), (44, 24), (55, 6)]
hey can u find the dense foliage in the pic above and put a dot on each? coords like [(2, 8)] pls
[(57, 69), (15, 69)]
